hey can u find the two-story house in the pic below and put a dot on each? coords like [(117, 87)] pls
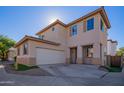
[(82, 41)]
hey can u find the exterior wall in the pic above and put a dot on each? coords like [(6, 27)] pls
[(94, 37), (103, 40), (25, 59), (21, 54), (59, 35), (34, 44), (111, 48)]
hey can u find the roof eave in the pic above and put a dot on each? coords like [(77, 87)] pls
[(106, 18), (21, 41), (90, 14), (34, 39)]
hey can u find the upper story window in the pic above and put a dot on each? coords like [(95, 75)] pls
[(74, 30), (102, 26), (90, 24), (25, 49), (53, 29), (41, 37)]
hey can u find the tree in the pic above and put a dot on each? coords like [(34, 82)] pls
[(5, 44), (120, 52)]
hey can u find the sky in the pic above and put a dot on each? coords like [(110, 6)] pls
[(16, 22)]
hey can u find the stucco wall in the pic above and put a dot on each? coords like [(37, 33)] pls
[(34, 44), (59, 35), (93, 37), (25, 59), (21, 48)]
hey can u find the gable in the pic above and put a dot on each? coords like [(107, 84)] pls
[(50, 26)]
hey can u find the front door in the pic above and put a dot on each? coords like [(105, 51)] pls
[(73, 55)]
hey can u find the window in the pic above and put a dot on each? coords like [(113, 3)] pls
[(18, 51), (74, 30), (41, 37), (25, 49), (101, 26), (90, 24), (53, 29)]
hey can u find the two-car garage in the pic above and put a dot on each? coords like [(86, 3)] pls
[(49, 56)]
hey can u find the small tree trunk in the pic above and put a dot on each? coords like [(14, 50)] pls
[(6, 56), (3, 56)]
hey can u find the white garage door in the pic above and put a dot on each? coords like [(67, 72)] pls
[(49, 56)]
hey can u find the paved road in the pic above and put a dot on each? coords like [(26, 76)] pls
[(56, 80)]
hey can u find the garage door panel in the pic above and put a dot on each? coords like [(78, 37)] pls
[(49, 56)]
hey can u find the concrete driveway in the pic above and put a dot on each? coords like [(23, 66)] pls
[(74, 70), (64, 75)]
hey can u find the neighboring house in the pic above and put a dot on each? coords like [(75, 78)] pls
[(11, 54), (82, 41), (111, 47)]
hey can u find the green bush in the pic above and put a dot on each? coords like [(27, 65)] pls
[(114, 69)]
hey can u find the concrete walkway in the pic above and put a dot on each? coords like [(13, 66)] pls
[(60, 79)]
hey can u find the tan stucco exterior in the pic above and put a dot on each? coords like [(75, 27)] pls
[(61, 35), (95, 37)]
